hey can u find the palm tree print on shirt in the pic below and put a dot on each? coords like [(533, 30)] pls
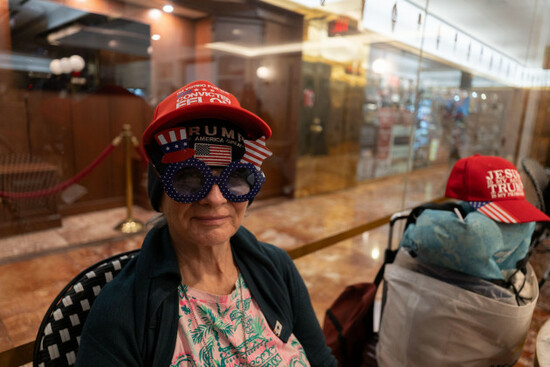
[(218, 339)]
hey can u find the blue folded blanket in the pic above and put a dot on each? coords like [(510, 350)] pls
[(475, 245)]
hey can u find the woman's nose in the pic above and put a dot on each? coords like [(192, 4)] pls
[(214, 196)]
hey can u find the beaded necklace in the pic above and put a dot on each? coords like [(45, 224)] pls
[(243, 318)]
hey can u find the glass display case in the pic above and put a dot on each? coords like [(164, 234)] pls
[(353, 90)]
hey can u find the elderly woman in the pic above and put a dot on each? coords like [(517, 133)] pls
[(203, 290)]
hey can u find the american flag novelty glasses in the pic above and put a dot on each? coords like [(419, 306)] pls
[(191, 180)]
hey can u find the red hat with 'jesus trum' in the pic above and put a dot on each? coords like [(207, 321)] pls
[(493, 186)]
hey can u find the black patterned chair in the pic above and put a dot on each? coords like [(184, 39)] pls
[(58, 337)]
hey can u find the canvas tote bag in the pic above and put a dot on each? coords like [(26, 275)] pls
[(427, 322)]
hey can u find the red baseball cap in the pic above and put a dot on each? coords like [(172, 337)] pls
[(493, 186), (202, 100)]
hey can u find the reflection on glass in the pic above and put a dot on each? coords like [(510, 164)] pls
[(353, 90)]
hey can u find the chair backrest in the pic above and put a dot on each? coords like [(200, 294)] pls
[(59, 333)]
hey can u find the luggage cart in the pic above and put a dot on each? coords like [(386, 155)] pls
[(467, 321), (389, 257)]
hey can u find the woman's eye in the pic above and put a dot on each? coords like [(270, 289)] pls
[(188, 181), (239, 182)]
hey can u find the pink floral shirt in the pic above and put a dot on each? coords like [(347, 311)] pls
[(213, 331)]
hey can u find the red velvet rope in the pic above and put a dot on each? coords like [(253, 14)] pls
[(63, 185)]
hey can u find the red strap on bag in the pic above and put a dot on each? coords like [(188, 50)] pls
[(348, 325)]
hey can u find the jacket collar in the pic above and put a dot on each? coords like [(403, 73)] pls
[(158, 258)]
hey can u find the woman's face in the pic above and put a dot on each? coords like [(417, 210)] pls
[(208, 222)]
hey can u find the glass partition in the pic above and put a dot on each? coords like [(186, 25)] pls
[(353, 90), (371, 102)]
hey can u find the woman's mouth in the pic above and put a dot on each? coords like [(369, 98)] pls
[(211, 220)]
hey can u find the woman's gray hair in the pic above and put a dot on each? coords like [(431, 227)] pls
[(157, 221)]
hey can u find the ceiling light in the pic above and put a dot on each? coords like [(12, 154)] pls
[(55, 67), (62, 33), (67, 65), (168, 8), (77, 62), (483, 96), (155, 13), (155, 37), (339, 49)]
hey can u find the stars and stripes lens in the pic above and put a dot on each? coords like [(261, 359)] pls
[(191, 180)]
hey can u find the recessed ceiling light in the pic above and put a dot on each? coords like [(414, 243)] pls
[(155, 37), (155, 13), (168, 8)]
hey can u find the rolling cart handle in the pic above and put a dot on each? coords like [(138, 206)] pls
[(393, 219)]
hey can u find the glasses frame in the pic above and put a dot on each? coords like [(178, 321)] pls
[(173, 168)]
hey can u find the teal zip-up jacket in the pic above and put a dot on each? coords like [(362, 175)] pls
[(134, 320)]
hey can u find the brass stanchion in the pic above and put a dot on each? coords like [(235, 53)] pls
[(129, 225)]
